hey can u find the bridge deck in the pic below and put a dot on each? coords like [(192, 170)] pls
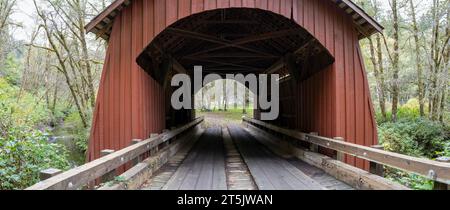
[(270, 171), (204, 167), (209, 166)]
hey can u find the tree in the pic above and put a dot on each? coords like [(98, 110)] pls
[(376, 57), (6, 10), (419, 68), (235, 87), (438, 59), (63, 25), (395, 60)]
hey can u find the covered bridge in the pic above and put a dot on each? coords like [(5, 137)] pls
[(322, 140), (313, 43)]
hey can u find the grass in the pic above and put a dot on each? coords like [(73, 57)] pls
[(223, 118)]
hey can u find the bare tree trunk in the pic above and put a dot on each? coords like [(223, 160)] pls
[(435, 92), (235, 95), (395, 62), (379, 78), (420, 76), (225, 96), (246, 101), (85, 53), (446, 71), (73, 87)]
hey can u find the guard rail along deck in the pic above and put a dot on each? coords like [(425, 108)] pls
[(434, 170), (81, 176)]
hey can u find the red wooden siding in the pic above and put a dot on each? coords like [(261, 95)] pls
[(334, 102)]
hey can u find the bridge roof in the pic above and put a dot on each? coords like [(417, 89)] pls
[(101, 25)]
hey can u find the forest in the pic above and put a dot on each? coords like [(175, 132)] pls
[(50, 71)]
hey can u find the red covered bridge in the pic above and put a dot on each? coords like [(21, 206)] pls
[(327, 117)]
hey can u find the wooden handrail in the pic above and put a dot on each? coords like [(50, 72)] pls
[(434, 170), (80, 176)]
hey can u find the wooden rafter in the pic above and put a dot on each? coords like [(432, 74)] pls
[(227, 64), (232, 55), (212, 39), (254, 38)]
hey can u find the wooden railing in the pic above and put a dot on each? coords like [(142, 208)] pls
[(434, 170), (81, 176)]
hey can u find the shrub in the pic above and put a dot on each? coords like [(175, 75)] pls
[(11, 69), (22, 107), (410, 180), (418, 137), (409, 111), (24, 152), (78, 131)]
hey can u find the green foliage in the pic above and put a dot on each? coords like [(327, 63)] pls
[(410, 180), (414, 136), (232, 115), (408, 111), (22, 107), (23, 154), (11, 69), (446, 152), (78, 131), (418, 137), (24, 150)]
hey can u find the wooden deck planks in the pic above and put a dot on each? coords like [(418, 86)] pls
[(162, 176), (270, 171), (320, 176), (208, 166), (238, 174), (204, 168)]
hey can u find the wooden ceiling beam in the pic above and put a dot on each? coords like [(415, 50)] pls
[(212, 39), (232, 55), (251, 39), (178, 67), (282, 62), (275, 66), (244, 22), (227, 64)]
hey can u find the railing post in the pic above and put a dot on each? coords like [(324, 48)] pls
[(439, 185), (110, 175), (376, 168), (167, 143), (49, 173), (339, 155), (314, 147), (155, 150), (139, 158)]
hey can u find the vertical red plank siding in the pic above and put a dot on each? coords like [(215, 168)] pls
[(334, 102), (184, 8), (236, 3), (197, 6)]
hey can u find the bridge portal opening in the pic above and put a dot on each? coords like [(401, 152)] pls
[(232, 41), (224, 102)]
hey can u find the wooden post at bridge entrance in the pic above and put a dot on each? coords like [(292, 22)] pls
[(439, 185), (49, 173)]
